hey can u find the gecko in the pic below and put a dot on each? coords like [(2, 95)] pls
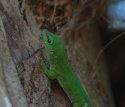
[(61, 70)]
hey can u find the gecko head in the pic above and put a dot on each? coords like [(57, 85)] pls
[(53, 44), (47, 38)]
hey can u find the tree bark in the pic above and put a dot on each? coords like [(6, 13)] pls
[(22, 81)]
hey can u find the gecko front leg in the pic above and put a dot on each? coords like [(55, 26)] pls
[(50, 73)]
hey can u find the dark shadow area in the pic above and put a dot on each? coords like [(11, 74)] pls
[(115, 56)]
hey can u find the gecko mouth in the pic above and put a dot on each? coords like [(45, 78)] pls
[(45, 57)]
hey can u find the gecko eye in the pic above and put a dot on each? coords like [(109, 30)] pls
[(49, 41)]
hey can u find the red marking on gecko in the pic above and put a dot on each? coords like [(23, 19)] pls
[(47, 35)]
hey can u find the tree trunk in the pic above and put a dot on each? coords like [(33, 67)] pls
[(21, 80)]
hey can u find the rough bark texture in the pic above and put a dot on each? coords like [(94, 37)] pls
[(20, 51)]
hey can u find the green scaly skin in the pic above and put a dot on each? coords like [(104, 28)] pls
[(61, 70)]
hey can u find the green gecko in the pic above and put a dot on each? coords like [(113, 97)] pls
[(61, 70)]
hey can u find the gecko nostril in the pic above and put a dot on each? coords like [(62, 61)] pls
[(40, 38)]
